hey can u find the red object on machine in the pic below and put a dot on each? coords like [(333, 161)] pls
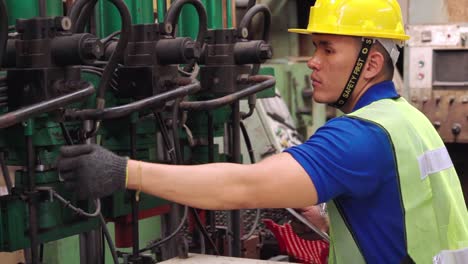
[(306, 251), (123, 225)]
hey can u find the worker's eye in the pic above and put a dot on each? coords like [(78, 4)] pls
[(328, 51)]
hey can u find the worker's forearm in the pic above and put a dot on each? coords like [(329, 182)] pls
[(213, 186)]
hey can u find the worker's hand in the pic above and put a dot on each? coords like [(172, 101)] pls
[(314, 215), (91, 171)]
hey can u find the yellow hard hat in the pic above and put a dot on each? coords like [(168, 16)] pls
[(363, 18)]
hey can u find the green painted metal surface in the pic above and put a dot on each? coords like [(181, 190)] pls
[(108, 17), (188, 21), (161, 8), (230, 14), (14, 225), (30, 8), (66, 250), (270, 92)]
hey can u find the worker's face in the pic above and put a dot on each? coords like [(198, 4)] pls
[(332, 62)]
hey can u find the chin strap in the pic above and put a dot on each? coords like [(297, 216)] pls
[(356, 73)]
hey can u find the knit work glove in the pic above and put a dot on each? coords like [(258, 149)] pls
[(91, 171)]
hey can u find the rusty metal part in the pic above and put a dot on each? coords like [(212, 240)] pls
[(25, 113), (448, 112), (261, 82), (124, 110)]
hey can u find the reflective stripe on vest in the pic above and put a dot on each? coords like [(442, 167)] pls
[(435, 214)]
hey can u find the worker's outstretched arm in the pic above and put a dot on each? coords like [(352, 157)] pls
[(276, 182)]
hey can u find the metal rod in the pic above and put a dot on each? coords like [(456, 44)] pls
[(262, 82), (134, 203), (235, 214), (25, 113), (33, 225), (251, 13), (42, 8), (211, 214), (124, 110)]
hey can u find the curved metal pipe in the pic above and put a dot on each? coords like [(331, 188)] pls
[(3, 29), (124, 110), (172, 17), (79, 24), (25, 113), (76, 9), (247, 20), (118, 52), (262, 82), (248, 17)]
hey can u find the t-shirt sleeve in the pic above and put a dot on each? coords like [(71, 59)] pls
[(345, 158)]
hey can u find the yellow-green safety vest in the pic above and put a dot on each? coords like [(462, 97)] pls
[(434, 210)]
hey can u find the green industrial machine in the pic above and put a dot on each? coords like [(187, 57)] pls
[(109, 75), (31, 136)]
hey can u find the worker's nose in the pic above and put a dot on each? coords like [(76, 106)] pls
[(314, 63)]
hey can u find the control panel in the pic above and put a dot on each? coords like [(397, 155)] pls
[(438, 54), (436, 72)]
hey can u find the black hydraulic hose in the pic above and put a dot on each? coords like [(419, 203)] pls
[(3, 29), (119, 51), (79, 24), (110, 37), (236, 246), (76, 9), (247, 21), (25, 113), (169, 237), (262, 82), (248, 143), (6, 173), (108, 237), (116, 56), (251, 13), (32, 204), (124, 110), (172, 17), (204, 231), (66, 134), (252, 101)]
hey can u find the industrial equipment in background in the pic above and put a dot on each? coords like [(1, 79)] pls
[(108, 74), (437, 77), (436, 82)]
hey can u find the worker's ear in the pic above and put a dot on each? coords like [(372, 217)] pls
[(374, 65)]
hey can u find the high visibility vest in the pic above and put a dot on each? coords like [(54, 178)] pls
[(434, 210)]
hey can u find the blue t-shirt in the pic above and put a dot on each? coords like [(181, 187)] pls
[(352, 161)]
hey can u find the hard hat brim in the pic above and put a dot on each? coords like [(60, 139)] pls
[(364, 34), (300, 31)]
